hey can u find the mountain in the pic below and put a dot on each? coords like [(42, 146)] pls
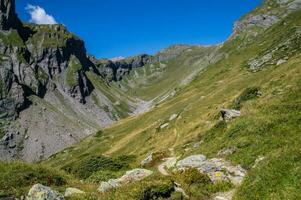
[(53, 94), (217, 122)]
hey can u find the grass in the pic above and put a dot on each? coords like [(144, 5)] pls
[(46, 36), (16, 178), (11, 38), (72, 71), (99, 166)]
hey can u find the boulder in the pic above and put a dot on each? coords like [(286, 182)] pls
[(195, 161), (229, 114), (147, 160), (217, 169), (73, 191), (129, 177), (135, 175), (41, 192)]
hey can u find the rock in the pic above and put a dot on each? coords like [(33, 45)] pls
[(258, 160), (195, 161), (40, 192), (173, 117), (228, 114), (216, 169), (226, 152), (135, 175), (147, 160), (280, 62), (8, 16), (73, 191), (130, 177), (163, 126), (262, 20), (257, 64)]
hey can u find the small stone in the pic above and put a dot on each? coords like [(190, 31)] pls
[(164, 125), (280, 62), (173, 117)]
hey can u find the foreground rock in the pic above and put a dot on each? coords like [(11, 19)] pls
[(73, 191), (217, 169), (228, 114), (130, 177), (41, 192)]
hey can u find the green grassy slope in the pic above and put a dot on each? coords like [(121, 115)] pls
[(269, 125), (156, 80)]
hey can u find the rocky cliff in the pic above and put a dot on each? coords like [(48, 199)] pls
[(44, 71)]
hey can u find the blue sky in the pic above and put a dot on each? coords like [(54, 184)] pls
[(112, 28)]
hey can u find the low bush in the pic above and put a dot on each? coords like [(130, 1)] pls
[(16, 178)]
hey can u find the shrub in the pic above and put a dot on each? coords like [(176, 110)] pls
[(88, 166), (163, 190), (16, 177), (247, 94), (100, 176)]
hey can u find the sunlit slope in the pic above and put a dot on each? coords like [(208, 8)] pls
[(158, 80)]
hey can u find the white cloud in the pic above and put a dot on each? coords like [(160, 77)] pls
[(39, 15)]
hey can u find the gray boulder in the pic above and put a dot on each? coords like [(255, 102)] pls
[(229, 114), (195, 161), (41, 192), (130, 177), (216, 169)]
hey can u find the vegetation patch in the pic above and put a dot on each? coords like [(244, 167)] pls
[(198, 185), (247, 94), (16, 178), (72, 71), (85, 168)]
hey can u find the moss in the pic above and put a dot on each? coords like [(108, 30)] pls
[(11, 38), (74, 66)]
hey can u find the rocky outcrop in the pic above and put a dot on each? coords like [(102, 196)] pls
[(115, 70), (8, 16), (217, 169), (40, 192), (130, 177), (262, 20)]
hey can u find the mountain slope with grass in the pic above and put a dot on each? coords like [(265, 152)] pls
[(252, 155)]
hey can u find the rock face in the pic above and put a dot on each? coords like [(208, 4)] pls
[(262, 20), (8, 16), (130, 177), (217, 169), (114, 70), (40, 192)]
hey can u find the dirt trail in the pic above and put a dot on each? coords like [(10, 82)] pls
[(168, 163)]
